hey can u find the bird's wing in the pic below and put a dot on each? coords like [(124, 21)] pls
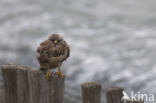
[(65, 51), (43, 47), (43, 51), (68, 51)]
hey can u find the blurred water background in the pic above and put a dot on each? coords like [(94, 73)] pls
[(112, 42)]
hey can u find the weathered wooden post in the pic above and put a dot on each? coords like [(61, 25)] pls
[(15, 84), (91, 93), (23, 85), (45, 91), (114, 95)]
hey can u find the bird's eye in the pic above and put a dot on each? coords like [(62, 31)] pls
[(55, 41)]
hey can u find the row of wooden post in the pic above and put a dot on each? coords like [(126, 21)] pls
[(24, 85)]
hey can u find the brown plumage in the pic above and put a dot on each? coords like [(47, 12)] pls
[(52, 52)]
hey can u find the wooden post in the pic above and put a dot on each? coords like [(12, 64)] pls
[(114, 95), (45, 91), (91, 93), (23, 85), (15, 83)]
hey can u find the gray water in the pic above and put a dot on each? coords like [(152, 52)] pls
[(112, 42)]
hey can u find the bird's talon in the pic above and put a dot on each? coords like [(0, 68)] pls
[(61, 74), (48, 75), (58, 73)]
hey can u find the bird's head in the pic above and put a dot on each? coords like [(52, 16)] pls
[(56, 39)]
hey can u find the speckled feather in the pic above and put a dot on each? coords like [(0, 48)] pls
[(50, 55)]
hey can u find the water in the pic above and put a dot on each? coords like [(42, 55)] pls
[(112, 41)]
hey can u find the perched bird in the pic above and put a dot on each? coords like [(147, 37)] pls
[(51, 53)]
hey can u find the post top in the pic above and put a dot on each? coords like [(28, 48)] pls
[(13, 66), (91, 84), (114, 89)]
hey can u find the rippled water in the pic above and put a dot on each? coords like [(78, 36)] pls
[(112, 41)]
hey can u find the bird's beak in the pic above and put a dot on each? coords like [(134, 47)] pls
[(55, 41)]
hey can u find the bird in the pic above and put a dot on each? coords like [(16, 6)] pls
[(52, 53)]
